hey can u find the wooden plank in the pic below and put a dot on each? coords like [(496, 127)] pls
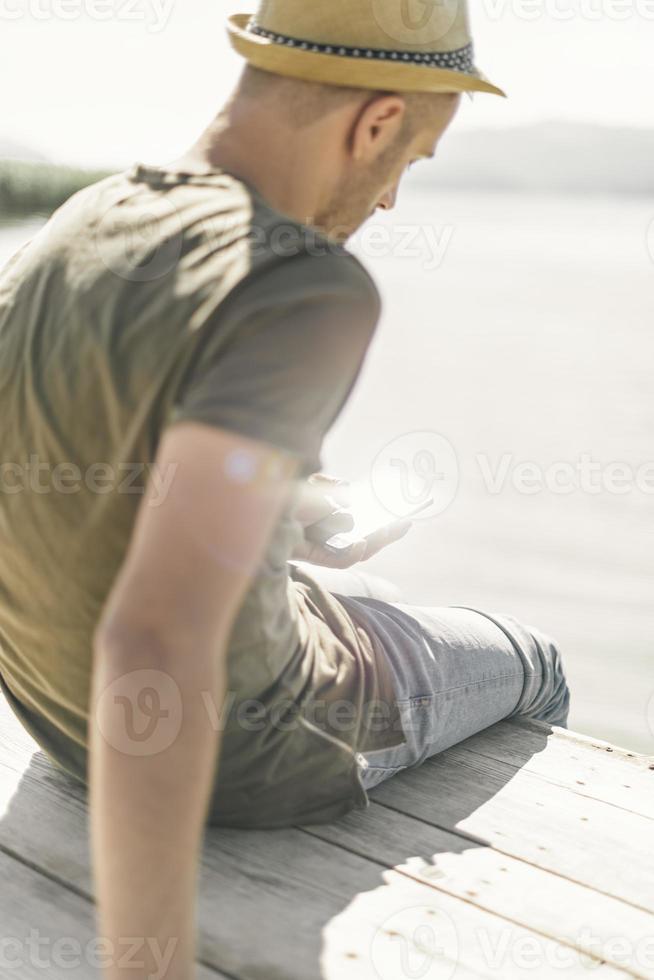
[(588, 767), (49, 931), (285, 905), (523, 815), (265, 896), (314, 904), (426, 938), (545, 903)]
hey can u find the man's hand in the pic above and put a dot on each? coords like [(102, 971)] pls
[(325, 500)]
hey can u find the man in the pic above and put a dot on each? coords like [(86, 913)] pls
[(173, 348)]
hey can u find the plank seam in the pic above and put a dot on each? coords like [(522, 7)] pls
[(69, 886), (547, 779), (499, 850), (569, 735), (522, 925), (218, 970), (478, 905), (86, 897)]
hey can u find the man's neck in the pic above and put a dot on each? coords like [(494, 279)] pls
[(282, 165)]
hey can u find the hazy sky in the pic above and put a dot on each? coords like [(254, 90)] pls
[(107, 82)]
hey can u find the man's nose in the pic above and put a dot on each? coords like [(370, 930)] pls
[(387, 202)]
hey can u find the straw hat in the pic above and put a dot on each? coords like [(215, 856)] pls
[(393, 45)]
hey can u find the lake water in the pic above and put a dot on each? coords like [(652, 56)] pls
[(518, 330), (14, 234)]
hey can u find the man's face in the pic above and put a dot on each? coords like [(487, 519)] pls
[(367, 187)]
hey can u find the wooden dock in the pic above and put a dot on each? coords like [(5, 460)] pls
[(524, 852)]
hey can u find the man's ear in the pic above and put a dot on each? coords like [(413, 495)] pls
[(377, 127)]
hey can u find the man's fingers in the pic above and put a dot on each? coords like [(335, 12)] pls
[(339, 490), (319, 498), (372, 544), (359, 551), (338, 523), (315, 504), (318, 555), (326, 478), (344, 559), (385, 536), (321, 531)]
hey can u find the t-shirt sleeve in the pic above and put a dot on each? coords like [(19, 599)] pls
[(284, 354)]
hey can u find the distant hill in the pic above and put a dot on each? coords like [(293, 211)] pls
[(15, 151), (557, 157), (39, 188), (30, 184), (549, 158)]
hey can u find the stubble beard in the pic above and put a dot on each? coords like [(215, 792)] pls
[(356, 198), (345, 213)]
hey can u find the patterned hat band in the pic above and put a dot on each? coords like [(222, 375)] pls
[(460, 60)]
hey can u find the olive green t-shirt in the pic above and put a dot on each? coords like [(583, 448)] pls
[(151, 298)]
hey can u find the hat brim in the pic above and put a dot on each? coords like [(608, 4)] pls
[(338, 70)]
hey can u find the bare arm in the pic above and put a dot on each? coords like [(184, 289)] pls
[(161, 644)]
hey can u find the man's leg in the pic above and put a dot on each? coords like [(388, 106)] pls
[(457, 670), (460, 671)]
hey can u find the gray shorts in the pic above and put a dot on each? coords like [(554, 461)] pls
[(457, 670)]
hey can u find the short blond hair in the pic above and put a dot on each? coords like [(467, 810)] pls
[(303, 101)]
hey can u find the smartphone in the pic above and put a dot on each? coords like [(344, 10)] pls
[(341, 542)]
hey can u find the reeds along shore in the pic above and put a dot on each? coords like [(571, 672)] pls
[(39, 188)]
